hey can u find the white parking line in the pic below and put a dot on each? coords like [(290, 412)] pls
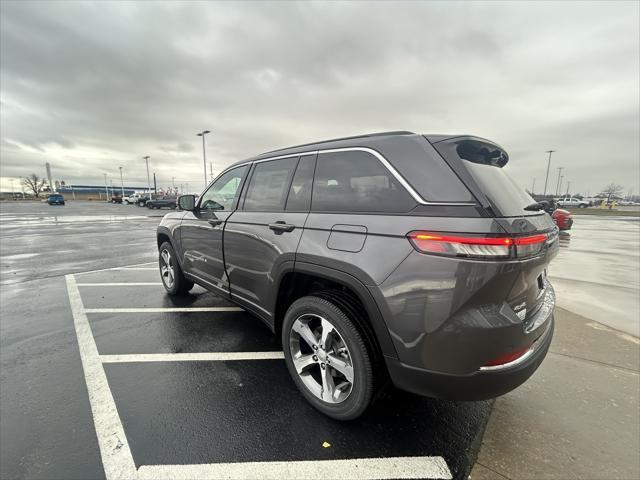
[(116, 454), (114, 448), (162, 310), (121, 284), (136, 266), (191, 357), (357, 468)]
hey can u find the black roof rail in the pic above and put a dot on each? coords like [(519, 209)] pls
[(367, 135)]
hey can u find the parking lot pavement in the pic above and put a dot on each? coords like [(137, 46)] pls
[(127, 382), (39, 240), (196, 388), (597, 272)]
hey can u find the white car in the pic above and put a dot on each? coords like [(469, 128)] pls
[(133, 199), (572, 202)]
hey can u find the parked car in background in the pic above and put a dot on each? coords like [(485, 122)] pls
[(572, 202), (55, 199), (135, 199), (398, 256), (162, 202), (116, 199), (562, 218)]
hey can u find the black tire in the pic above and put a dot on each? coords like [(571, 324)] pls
[(582, 205), (362, 352), (180, 285), (149, 206)]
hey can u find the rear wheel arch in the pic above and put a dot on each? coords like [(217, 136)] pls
[(343, 289)]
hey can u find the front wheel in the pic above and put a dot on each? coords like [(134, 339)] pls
[(328, 356), (582, 205), (173, 279)]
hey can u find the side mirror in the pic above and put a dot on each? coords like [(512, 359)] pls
[(187, 202)]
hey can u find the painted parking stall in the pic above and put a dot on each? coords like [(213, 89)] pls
[(194, 387)]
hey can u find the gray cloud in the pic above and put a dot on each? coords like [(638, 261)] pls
[(91, 86)]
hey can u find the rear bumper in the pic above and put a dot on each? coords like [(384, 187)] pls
[(480, 385)]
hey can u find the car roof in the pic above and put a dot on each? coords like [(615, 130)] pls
[(344, 142)]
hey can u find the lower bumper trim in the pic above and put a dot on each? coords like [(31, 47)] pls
[(481, 385)]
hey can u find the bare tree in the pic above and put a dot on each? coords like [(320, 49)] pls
[(34, 183), (612, 189)]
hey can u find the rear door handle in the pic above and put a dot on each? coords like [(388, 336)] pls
[(215, 222), (280, 227)]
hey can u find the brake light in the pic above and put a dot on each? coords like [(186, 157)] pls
[(477, 246)]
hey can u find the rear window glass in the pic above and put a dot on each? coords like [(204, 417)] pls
[(487, 165), (356, 181), (421, 166)]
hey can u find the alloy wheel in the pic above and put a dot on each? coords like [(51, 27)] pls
[(321, 358), (167, 269)]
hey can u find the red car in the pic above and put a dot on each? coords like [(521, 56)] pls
[(563, 219)]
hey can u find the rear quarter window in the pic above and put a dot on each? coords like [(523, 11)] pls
[(356, 181)]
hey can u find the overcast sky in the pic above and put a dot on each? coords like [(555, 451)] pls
[(92, 86)]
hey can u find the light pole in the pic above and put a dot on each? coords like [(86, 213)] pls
[(106, 188), (568, 187), (204, 155), (560, 188), (146, 159), (121, 183), (211, 170), (546, 178), (13, 194), (558, 182), (533, 187)]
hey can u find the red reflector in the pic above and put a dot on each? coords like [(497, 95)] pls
[(507, 358)]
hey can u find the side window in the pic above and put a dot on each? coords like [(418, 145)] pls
[(299, 199), (269, 185), (224, 191), (355, 181)]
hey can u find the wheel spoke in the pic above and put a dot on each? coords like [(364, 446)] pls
[(328, 387), (340, 365), (305, 333), (166, 257), (303, 362), (171, 277), (325, 339), (164, 270)]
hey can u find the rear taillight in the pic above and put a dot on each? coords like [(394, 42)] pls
[(477, 246)]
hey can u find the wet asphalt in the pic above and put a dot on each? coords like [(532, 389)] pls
[(172, 412)]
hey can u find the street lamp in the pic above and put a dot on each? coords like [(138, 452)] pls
[(146, 159), (121, 183), (204, 155), (547, 176), (558, 182), (106, 188)]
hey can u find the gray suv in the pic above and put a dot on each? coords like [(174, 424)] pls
[(397, 257)]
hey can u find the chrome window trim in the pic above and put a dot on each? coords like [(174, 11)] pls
[(415, 195)]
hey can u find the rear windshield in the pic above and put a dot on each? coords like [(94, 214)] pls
[(486, 163)]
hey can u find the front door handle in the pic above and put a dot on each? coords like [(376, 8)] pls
[(215, 222), (280, 227)]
